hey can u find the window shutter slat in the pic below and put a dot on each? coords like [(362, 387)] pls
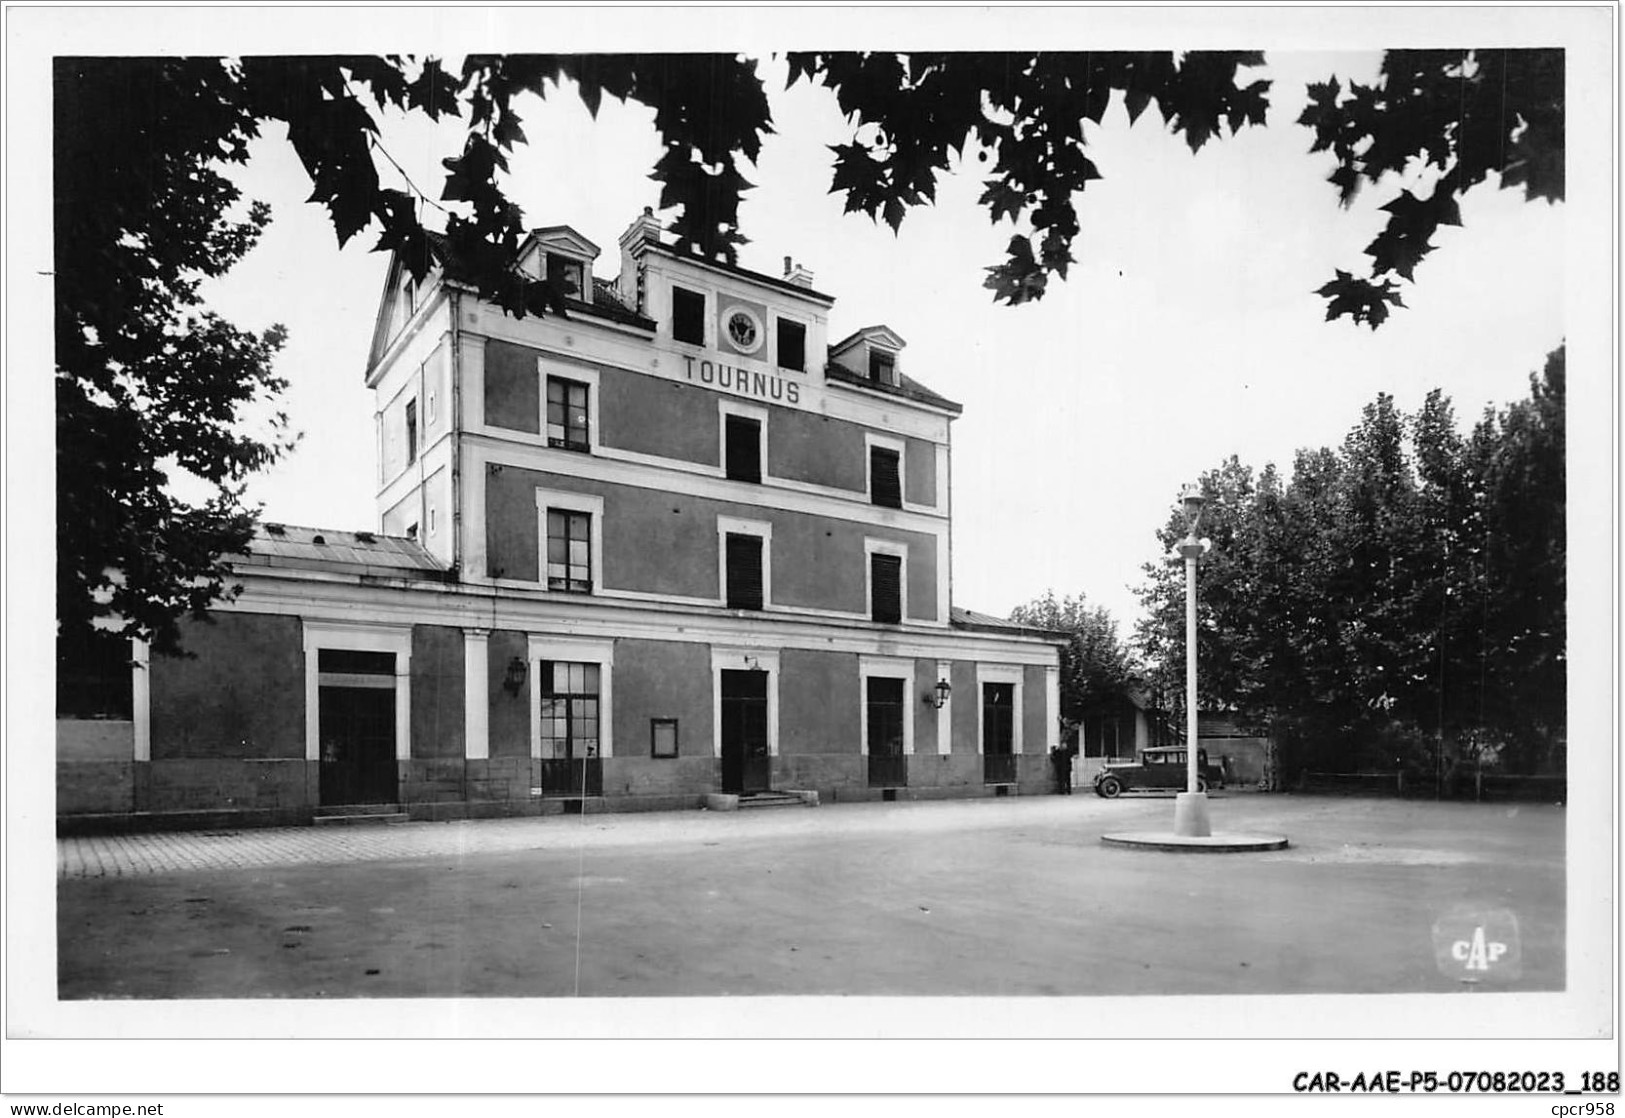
[(886, 586), (885, 478), (744, 574)]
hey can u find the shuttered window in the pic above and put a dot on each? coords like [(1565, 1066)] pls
[(744, 571), (743, 448), (885, 477), (886, 588), (687, 316)]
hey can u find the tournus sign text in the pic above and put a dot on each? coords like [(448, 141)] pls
[(745, 382)]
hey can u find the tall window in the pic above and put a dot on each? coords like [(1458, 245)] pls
[(570, 709), (569, 551), (411, 431), (567, 275), (744, 571), (743, 448), (885, 477), (882, 368), (792, 345), (886, 588), (687, 316), (567, 416)]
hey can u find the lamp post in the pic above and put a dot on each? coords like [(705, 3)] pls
[(1190, 806), (1192, 831)]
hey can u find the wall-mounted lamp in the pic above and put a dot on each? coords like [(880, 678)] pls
[(515, 679), (938, 696)]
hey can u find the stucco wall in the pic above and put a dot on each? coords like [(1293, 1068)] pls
[(512, 388), (1035, 717), (816, 449), (925, 715), (509, 723), (81, 740), (919, 472), (243, 695), (651, 415), (434, 410), (402, 513), (437, 691), (663, 543), (967, 698), (818, 703), (662, 679)]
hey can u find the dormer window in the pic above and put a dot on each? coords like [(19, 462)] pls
[(567, 274), (883, 368)]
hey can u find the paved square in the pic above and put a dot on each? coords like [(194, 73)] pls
[(986, 897)]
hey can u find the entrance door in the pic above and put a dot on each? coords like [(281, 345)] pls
[(356, 726), (998, 733), (746, 766), (888, 767), (572, 717)]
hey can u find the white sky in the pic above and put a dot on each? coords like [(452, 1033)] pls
[(1187, 331)]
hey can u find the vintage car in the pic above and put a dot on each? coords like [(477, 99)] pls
[(1158, 768)]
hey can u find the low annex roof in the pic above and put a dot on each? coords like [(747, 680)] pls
[(331, 549), (961, 618)]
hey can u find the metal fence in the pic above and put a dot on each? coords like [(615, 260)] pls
[(576, 777), (1477, 785)]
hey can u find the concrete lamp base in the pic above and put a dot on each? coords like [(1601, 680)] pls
[(1190, 815), (1192, 831), (1200, 844)]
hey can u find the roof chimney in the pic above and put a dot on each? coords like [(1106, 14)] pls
[(645, 227), (797, 275)]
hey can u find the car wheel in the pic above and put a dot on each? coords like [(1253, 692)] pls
[(1109, 788), (1201, 785)]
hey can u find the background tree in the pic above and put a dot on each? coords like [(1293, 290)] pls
[(1095, 663), (1398, 597), (150, 386)]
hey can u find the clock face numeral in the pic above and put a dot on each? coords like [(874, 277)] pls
[(743, 329)]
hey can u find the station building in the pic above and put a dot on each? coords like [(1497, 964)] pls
[(674, 544)]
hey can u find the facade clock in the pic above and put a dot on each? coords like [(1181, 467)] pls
[(744, 329)]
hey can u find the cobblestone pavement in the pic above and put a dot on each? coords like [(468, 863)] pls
[(991, 898), (138, 855)]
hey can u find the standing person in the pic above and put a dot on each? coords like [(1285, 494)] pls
[(1061, 759)]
